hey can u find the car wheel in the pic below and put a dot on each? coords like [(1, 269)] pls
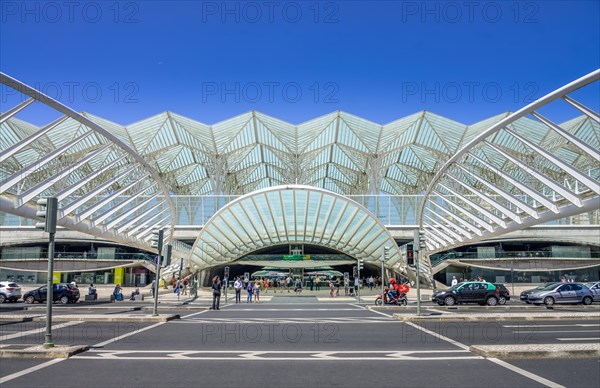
[(2, 298), (491, 301), (64, 299), (30, 299), (449, 301), (587, 300), (548, 301), (502, 300)]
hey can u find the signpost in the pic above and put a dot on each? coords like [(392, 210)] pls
[(48, 212)]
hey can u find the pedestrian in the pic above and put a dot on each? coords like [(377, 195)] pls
[(117, 292), (266, 285), (318, 283), (250, 292), (288, 283), (216, 288), (331, 290), (92, 291), (371, 282), (152, 286), (136, 291), (237, 285), (298, 288), (256, 291), (454, 281), (184, 284), (356, 285), (563, 279)]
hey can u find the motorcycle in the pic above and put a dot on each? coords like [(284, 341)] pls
[(399, 300)]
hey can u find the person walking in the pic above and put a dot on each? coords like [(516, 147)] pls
[(318, 283), (331, 291), (337, 288), (371, 283), (216, 289), (288, 283), (250, 292), (237, 285), (152, 285), (256, 291)]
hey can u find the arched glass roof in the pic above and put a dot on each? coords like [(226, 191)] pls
[(293, 214)]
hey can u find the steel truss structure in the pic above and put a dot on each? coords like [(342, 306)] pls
[(104, 188), (512, 176)]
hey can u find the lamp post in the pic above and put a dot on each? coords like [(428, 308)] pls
[(48, 212), (417, 252)]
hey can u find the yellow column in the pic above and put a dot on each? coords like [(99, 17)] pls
[(119, 275)]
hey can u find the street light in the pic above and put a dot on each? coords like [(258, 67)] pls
[(48, 209), (417, 251), (157, 242)]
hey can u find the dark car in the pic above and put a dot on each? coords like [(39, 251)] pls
[(468, 292), (63, 293), (525, 294), (503, 293)]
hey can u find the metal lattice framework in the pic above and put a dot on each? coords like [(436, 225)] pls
[(339, 152), (104, 188), (295, 214), (517, 174)]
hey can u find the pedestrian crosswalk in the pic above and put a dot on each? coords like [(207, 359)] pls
[(299, 320)]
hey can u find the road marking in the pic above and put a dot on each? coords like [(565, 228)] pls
[(191, 315), (120, 337), (580, 339), (506, 365), (525, 373), (24, 372), (291, 309), (577, 324), (553, 331), (35, 331), (280, 355), (357, 306)]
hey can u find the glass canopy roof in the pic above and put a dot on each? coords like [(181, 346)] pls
[(294, 214), (339, 152)]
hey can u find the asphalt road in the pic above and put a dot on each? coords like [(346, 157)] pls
[(297, 342)]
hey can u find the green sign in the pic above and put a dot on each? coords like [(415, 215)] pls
[(296, 257)]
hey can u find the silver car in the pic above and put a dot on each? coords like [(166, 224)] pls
[(595, 288), (9, 291), (562, 293)]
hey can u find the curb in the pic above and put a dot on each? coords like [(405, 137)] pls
[(39, 351), (538, 351), (496, 317)]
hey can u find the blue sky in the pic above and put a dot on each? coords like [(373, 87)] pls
[(126, 61)]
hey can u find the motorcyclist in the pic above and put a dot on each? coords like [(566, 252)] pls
[(393, 291)]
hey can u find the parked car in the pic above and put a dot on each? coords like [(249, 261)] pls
[(525, 294), (503, 293), (468, 292), (562, 293), (9, 291), (63, 293), (595, 288)]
